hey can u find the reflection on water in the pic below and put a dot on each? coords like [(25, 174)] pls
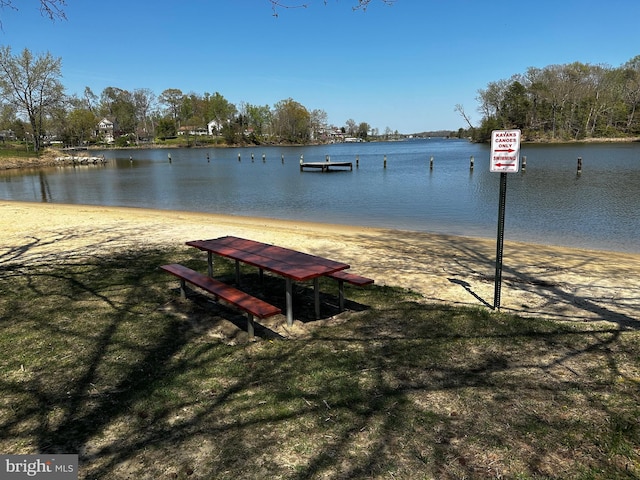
[(548, 203)]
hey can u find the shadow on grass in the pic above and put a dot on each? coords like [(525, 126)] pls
[(101, 359)]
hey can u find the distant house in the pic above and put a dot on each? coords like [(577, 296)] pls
[(334, 135), (190, 130), (105, 130), (7, 135), (214, 127)]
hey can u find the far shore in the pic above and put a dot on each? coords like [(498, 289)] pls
[(565, 284), (49, 155)]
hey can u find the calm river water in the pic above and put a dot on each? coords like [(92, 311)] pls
[(549, 203)]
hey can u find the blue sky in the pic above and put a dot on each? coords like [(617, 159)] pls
[(403, 66)]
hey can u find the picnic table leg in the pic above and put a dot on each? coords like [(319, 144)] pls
[(183, 289), (237, 272), (316, 297), (250, 325), (210, 263), (289, 295), (341, 294)]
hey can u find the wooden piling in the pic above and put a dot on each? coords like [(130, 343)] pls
[(471, 162), (524, 163), (579, 165), (169, 155), (282, 158), (431, 163), (385, 161), (239, 158), (357, 161), (264, 158)]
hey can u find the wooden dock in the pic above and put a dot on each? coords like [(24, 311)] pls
[(326, 166)]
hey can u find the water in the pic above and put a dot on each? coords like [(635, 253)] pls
[(549, 203)]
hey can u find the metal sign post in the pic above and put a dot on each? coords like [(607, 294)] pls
[(500, 241), (505, 158)]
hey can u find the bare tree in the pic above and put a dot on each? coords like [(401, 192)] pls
[(54, 9), (32, 85), (460, 109), (631, 88), (144, 100), (90, 99), (350, 127), (319, 122)]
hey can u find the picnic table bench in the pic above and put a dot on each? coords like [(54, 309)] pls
[(342, 276), (254, 307)]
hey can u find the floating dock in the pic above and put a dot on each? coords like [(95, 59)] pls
[(326, 166)]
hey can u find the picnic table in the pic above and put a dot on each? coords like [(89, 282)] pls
[(293, 265)]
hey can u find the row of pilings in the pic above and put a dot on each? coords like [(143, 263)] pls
[(523, 161)]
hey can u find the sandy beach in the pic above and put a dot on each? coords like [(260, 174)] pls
[(560, 283)]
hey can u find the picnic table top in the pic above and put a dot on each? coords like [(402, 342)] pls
[(283, 261)]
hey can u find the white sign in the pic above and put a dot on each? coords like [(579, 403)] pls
[(505, 151)]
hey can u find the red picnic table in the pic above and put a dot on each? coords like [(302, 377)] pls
[(290, 264)]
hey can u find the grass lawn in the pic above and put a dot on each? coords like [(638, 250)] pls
[(100, 357), (12, 150)]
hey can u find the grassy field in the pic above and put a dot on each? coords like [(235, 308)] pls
[(13, 150), (100, 357)]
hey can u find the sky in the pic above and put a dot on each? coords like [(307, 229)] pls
[(403, 66)]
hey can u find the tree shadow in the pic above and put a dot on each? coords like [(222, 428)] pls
[(272, 288), (539, 272), (138, 391), (467, 287)]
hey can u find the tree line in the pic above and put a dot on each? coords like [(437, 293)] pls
[(31, 90), (554, 103), (563, 102)]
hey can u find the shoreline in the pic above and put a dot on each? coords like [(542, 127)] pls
[(562, 283)]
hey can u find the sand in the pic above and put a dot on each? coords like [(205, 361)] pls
[(538, 280)]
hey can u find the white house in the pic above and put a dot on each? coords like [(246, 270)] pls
[(189, 130), (214, 127), (105, 130), (7, 135)]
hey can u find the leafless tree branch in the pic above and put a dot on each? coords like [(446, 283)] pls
[(361, 4), (460, 109), (54, 9)]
